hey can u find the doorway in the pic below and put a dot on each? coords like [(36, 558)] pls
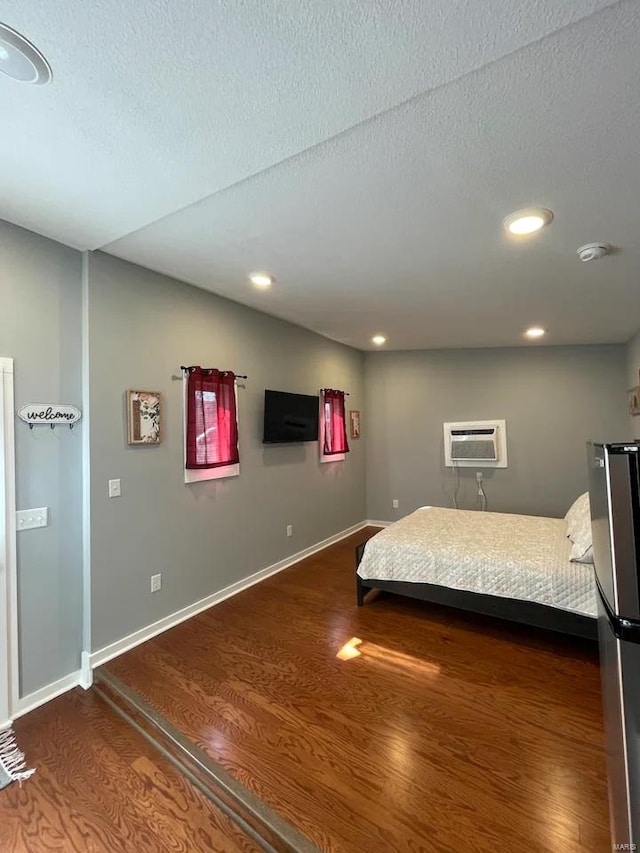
[(8, 572)]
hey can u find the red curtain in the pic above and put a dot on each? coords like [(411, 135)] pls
[(212, 426), (335, 424)]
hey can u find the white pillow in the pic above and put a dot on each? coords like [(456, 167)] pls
[(575, 513), (582, 548), (579, 555)]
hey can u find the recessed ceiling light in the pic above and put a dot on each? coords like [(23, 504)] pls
[(535, 332), (21, 60), (527, 221), (378, 340), (261, 279)]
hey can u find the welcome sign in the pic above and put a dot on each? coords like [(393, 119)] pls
[(49, 413)]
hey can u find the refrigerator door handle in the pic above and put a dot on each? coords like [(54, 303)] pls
[(627, 631), (624, 629)]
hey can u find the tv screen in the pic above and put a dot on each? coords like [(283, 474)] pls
[(290, 417)]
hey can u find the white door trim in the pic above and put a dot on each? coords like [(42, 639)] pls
[(9, 678), (86, 678)]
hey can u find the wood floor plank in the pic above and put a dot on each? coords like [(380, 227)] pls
[(99, 787), (446, 731)]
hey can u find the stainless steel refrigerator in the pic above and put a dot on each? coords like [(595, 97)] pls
[(614, 493)]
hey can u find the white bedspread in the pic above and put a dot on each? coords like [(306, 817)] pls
[(513, 556)]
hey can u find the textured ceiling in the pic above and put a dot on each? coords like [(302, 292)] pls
[(364, 153)]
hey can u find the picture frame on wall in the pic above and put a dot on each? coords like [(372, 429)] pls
[(144, 417), (633, 395), (354, 423)]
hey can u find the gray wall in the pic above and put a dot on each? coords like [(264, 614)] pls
[(633, 373), (553, 399), (201, 537), (205, 536), (40, 327)]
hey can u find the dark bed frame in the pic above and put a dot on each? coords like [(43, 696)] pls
[(524, 612)]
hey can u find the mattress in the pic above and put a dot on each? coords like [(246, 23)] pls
[(524, 557)]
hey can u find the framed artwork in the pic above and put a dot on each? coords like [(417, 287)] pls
[(634, 400), (354, 423), (144, 417)]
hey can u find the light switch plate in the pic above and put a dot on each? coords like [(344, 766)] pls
[(114, 489), (28, 519)]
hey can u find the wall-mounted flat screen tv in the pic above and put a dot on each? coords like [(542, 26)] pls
[(290, 417)]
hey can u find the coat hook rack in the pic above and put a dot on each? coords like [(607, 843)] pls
[(53, 426), (51, 414)]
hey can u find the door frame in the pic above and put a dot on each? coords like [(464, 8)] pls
[(9, 675)]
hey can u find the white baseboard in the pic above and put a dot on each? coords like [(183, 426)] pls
[(83, 677), (369, 523), (111, 651), (47, 693)]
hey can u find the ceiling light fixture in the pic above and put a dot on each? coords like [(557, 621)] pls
[(527, 221), (378, 340), (21, 60), (535, 332), (261, 279)]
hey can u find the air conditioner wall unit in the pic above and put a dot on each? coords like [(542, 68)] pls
[(476, 444)]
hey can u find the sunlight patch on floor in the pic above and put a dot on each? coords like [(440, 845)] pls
[(385, 657), (349, 650)]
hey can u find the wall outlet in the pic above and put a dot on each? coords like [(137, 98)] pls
[(395, 503), (156, 583), (27, 519), (289, 531), (478, 476), (114, 489)]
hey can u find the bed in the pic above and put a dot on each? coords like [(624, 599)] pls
[(514, 567)]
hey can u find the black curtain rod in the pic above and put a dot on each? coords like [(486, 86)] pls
[(346, 393), (237, 375)]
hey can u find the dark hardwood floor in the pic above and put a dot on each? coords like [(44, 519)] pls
[(100, 787), (437, 732)]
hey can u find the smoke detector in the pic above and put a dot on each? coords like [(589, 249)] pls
[(593, 251)]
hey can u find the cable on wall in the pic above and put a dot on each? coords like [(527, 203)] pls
[(456, 486), (481, 492)]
